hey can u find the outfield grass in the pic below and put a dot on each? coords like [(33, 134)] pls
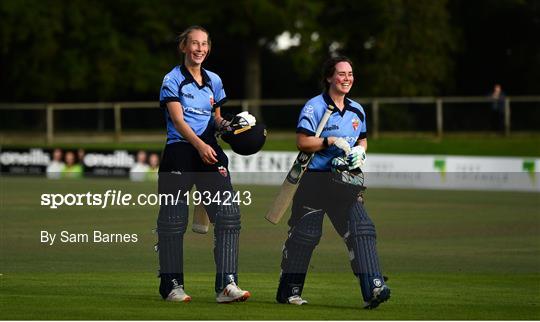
[(451, 144), (119, 296), (449, 254)]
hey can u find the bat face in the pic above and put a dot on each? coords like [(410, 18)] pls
[(282, 202), (299, 166), (303, 158)]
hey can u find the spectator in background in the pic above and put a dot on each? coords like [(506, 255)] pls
[(55, 168), (152, 172), (72, 168), (140, 168), (497, 108), (80, 156)]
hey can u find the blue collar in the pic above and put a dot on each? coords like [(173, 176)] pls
[(328, 100), (188, 78)]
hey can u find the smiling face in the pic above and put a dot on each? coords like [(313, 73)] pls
[(342, 79), (196, 47)]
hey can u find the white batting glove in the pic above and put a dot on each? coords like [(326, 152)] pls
[(250, 119), (357, 157), (343, 145)]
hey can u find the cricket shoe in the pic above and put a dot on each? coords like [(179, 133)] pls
[(380, 295), (232, 293), (178, 295), (296, 300)]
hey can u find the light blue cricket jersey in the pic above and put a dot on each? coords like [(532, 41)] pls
[(350, 124), (197, 101)]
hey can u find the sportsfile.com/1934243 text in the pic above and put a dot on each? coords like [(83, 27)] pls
[(119, 198)]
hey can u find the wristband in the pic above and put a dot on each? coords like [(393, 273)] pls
[(325, 142)]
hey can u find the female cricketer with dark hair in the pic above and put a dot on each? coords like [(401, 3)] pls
[(191, 97), (342, 143)]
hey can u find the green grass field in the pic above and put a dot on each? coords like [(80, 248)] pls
[(450, 255), (480, 144)]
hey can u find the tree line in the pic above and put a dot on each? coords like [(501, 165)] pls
[(76, 50)]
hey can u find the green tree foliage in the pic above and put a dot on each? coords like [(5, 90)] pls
[(75, 50), (401, 47), (253, 25), (82, 50), (413, 53)]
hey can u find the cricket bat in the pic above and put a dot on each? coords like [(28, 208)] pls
[(200, 220), (290, 184)]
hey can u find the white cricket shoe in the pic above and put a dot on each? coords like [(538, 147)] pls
[(178, 295), (380, 295), (296, 300), (232, 293)]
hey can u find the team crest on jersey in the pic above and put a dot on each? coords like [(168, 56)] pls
[(355, 123), (223, 171), (212, 100)]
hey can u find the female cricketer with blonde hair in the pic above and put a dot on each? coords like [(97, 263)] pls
[(191, 98)]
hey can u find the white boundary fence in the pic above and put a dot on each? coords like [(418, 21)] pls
[(375, 102), (405, 171)]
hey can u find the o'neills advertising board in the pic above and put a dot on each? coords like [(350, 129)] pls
[(271, 167), (139, 165)]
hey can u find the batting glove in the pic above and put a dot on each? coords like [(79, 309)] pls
[(357, 157), (343, 145)]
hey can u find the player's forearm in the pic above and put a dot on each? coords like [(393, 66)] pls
[(363, 143), (220, 122), (310, 144), (187, 133), (218, 119), (177, 117)]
